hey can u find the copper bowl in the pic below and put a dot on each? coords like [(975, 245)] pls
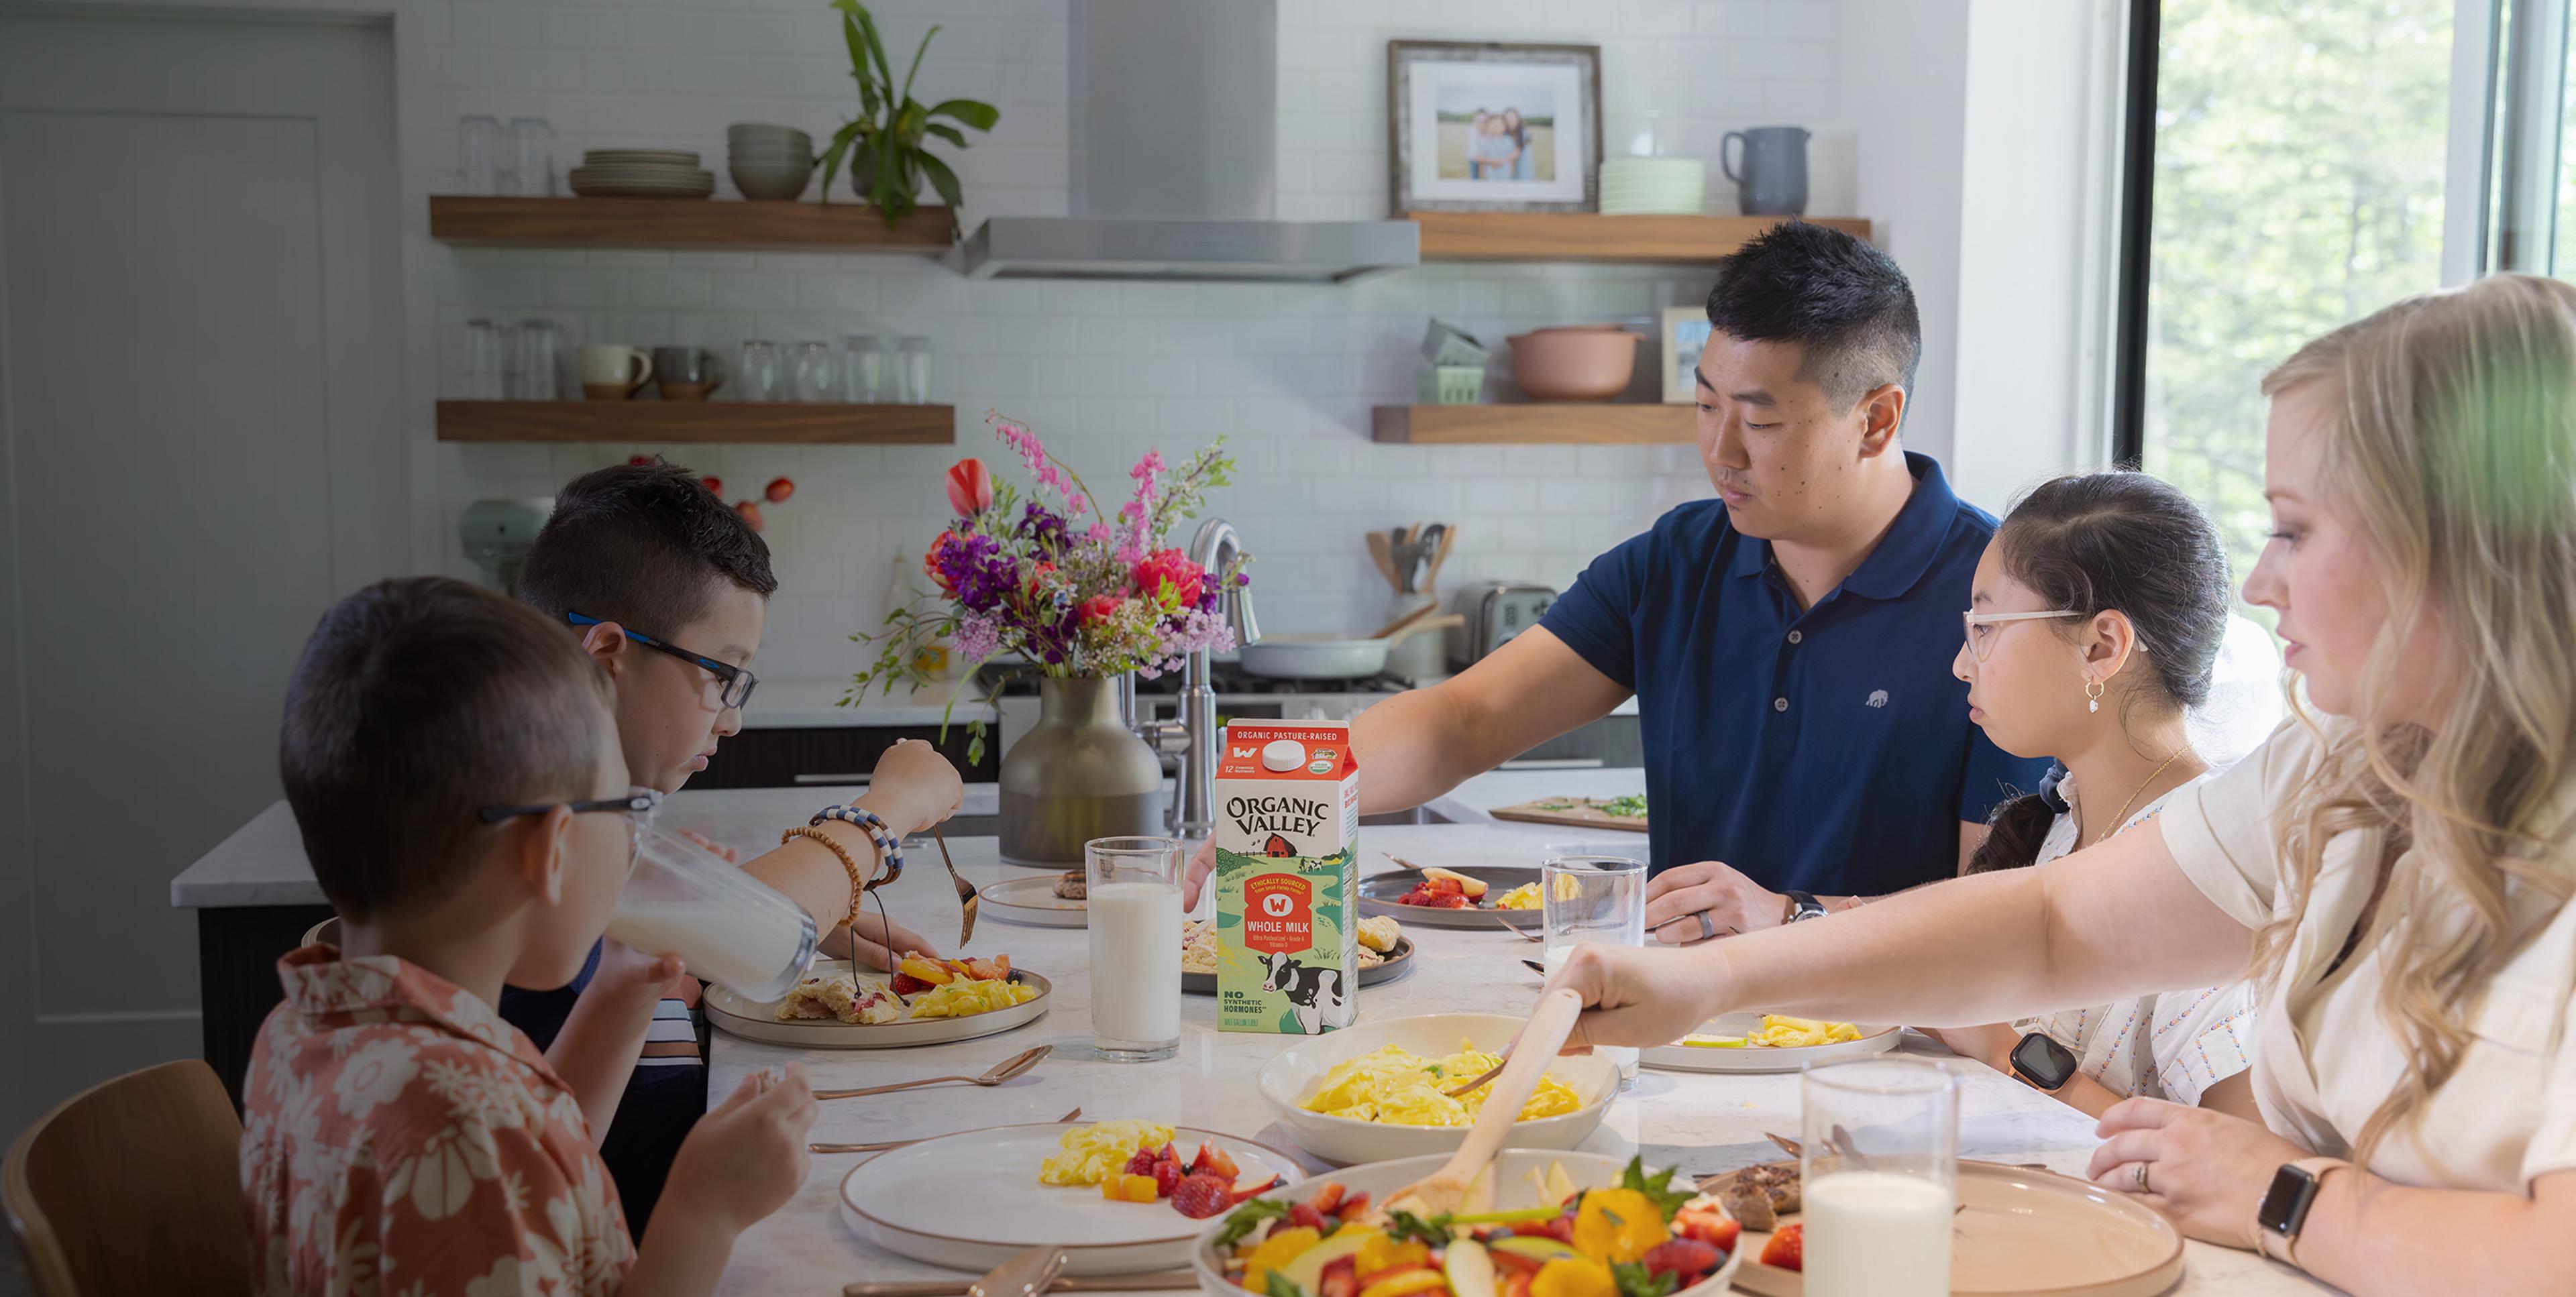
[(1576, 363)]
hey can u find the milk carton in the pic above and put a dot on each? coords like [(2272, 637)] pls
[(1287, 877)]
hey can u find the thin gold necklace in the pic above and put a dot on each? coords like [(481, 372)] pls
[(2123, 813)]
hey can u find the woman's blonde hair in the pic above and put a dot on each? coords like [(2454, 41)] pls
[(2452, 456)]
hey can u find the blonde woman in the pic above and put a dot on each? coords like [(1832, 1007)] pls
[(2394, 865)]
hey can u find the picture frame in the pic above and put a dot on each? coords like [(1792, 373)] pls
[(1478, 126), (1685, 331)]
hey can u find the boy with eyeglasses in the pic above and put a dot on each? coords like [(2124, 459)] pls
[(456, 776), (667, 589)]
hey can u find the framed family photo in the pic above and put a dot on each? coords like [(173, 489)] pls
[(1686, 331), (1477, 127)]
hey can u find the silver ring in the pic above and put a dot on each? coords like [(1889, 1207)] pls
[(1707, 930), (2138, 1176)]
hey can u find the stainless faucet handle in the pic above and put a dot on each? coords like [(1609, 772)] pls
[(1238, 615), (1213, 547)]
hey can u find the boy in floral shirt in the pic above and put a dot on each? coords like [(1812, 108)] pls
[(456, 775)]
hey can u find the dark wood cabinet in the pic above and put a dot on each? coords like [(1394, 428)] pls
[(831, 756)]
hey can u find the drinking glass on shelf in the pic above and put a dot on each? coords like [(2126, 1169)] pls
[(914, 385), (1593, 898), (758, 372), (530, 157), (478, 154), (1135, 910), (532, 357), (1880, 1168), (817, 375), (480, 377), (863, 372)]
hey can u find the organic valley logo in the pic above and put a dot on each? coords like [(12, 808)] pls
[(1276, 815)]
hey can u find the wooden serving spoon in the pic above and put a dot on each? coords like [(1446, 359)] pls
[(1443, 1190)]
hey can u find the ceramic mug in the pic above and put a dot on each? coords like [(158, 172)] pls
[(687, 373), (612, 372), (1772, 180)]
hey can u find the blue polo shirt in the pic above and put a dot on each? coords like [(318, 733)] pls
[(1827, 750)]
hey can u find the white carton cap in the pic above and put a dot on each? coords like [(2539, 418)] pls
[(1282, 755)]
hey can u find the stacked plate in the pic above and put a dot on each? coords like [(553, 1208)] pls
[(1653, 186), (641, 173), (768, 162)]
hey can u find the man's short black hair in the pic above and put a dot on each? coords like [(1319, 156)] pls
[(641, 545), (1841, 298), (419, 701)]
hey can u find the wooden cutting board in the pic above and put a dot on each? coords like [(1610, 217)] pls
[(1572, 812)]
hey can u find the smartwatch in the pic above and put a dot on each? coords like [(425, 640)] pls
[(2041, 1063), (1801, 907), (2284, 1210)]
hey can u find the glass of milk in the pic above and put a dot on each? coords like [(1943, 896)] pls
[(1593, 898), (1880, 1168), (1134, 909), (731, 928)]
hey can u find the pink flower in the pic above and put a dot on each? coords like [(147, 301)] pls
[(970, 487), (1098, 534), (1100, 608), (1170, 568)]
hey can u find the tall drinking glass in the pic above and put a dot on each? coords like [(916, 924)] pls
[(1880, 1168), (732, 928), (758, 376), (864, 376), (529, 157), (478, 154), (814, 372), (1134, 904), (913, 372), (1593, 898), (530, 366)]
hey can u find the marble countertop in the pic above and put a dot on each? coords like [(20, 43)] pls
[(1702, 1123)]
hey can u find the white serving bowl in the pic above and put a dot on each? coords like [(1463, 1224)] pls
[(1512, 1190), (1295, 1072)]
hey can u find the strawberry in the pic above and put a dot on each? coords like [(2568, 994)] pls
[(1708, 1227), (714, 485), (1684, 1258), (907, 984), (1167, 1177), (1241, 1195), (1327, 1200), (985, 970), (1561, 1229), (1519, 1286), (1340, 1279), (1354, 1207), (1306, 1215), (1213, 1161), (1140, 1164), (1201, 1196), (750, 513), (1516, 1262), (779, 489), (1787, 1249)]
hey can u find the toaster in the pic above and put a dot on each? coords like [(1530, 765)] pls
[(1495, 611)]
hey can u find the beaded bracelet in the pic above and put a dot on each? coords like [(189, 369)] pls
[(868, 821), (858, 877)]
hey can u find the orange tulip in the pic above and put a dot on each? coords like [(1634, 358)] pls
[(970, 487)]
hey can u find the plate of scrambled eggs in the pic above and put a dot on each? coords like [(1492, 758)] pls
[(1767, 1042), (828, 1011), (1373, 1091)]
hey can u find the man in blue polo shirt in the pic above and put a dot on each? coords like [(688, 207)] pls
[(1789, 643)]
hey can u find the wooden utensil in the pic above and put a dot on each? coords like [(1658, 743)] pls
[(1383, 551), (1439, 555), (1159, 1281), (998, 1073), (1443, 1190), (1406, 620), (883, 1145)]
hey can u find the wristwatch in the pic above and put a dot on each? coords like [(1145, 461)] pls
[(1801, 907), (2041, 1063), (2284, 1209)]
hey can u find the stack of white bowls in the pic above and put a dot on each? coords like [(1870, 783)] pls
[(768, 162), (641, 173), (1653, 186)]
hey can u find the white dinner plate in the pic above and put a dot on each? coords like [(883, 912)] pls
[(737, 1016), (970, 1201), (1754, 1058), (1032, 902)]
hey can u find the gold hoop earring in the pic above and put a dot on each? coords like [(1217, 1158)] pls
[(2092, 694)]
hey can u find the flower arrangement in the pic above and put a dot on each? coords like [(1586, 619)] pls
[(1056, 579)]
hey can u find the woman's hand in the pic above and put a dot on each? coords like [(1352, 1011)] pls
[(2207, 1170), (1637, 995)]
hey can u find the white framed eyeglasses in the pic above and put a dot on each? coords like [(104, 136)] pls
[(1979, 627)]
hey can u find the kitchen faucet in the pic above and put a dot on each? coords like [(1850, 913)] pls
[(1191, 814)]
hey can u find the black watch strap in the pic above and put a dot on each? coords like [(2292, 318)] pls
[(1801, 906)]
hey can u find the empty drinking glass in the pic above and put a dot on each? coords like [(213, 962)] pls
[(535, 344), (480, 377), (758, 372), (863, 372), (530, 157), (914, 385), (1880, 1168), (478, 154), (1593, 898), (817, 375)]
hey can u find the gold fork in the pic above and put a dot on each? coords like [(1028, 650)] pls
[(967, 898)]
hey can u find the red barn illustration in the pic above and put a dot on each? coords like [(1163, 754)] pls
[(1278, 846)]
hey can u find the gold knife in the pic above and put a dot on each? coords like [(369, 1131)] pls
[(1160, 1281)]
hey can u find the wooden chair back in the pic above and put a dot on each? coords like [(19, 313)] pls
[(133, 1186)]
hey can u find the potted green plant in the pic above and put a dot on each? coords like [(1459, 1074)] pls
[(886, 144)]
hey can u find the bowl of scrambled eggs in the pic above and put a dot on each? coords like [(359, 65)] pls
[(1375, 1091)]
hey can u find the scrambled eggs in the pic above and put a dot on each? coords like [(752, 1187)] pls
[(1777, 1032), (1088, 1153), (1198, 946), (964, 998), (1523, 897), (1379, 932), (1402, 1088)]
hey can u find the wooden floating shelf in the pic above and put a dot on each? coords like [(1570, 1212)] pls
[(1536, 424), (678, 421), (686, 223), (1590, 236)]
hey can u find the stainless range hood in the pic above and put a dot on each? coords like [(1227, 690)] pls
[(1175, 142)]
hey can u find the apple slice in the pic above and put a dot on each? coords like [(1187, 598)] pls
[(1471, 888)]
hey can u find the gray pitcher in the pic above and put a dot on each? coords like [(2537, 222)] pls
[(1774, 179)]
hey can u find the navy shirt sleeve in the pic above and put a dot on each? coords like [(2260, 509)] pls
[(1598, 617), (1994, 777)]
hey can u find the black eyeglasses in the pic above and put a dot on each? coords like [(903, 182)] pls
[(638, 804), (736, 683)]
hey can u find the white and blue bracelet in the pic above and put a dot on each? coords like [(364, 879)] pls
[(867, 821)]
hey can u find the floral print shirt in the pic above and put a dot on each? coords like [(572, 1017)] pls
[(399, 1138)]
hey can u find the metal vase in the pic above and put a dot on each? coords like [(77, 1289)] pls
[(1079, 773)]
